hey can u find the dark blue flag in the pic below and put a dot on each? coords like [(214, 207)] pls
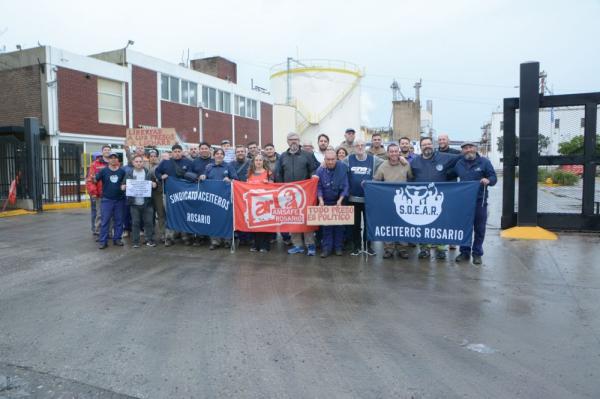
[(199, 208), (427, 213)]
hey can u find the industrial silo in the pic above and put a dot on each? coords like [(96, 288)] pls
[(313, 97)]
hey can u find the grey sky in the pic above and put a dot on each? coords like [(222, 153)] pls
[(467, 52)]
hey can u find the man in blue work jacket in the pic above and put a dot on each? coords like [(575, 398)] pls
[(432, 166), (473, 167)]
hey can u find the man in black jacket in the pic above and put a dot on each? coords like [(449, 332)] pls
[(295, 165)]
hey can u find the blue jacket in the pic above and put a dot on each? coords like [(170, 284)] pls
[(333, 183), (220, 171), (241, 168), (199, 165), (476, 170), (166, 167), (438, 168)]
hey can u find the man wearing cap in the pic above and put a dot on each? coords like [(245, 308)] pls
[(177, 166), (112, 201), (377, 149), (94, 187), (348, 144), (432, 166), (473, 167)]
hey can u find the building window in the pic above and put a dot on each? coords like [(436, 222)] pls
[(174, 89), (185, 97), (209, 98), (240, 106), (557, 123), (251, 109), (582, 122), (164, 87), (193, 94), (111, 104), (224, 103), (501, 125)]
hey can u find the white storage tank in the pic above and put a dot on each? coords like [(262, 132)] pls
[(315, 96)]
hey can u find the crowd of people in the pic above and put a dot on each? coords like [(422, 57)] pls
[(341, 172)]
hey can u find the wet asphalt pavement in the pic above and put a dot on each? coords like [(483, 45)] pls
[(185, 322)]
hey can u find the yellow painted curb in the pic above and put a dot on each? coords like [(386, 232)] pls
[(15, 212), (67, 205), (528, 233)]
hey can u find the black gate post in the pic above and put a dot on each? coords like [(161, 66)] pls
[(34, 165), (529, 103), (509, 164), (589, 166)]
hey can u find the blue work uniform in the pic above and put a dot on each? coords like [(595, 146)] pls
[(333, 184)]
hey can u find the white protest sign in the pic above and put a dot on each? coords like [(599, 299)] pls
[(138, 188)]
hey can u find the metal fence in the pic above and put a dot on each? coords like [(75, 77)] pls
[(61, 173), (12, 167)]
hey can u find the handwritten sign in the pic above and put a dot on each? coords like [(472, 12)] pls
[(151, 137), (329, 215), (138, 188)]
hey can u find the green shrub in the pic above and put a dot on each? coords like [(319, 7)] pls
[(564, 178), (543, 174)]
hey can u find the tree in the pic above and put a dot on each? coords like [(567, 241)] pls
[(543, 143), (575, 146)]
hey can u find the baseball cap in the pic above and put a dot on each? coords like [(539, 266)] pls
[(350, 130), (225, 141), (466, 143), (113, 154)]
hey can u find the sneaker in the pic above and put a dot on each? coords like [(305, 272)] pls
[(212, 247), (136, 245), (103, 246), (388, 255), (253, 249), (125, 234), (150, 243), (312, 251), (325, 254), (403, 254), (476, 260), (370, 251), (462, 258), (355, 252), (424, 254), (264, 250), (288, 242), (168, 242), (440, 255), (339, 252), (119, 243), (296, 250)]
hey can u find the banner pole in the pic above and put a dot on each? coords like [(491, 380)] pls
[(232, 197), (164, 186)]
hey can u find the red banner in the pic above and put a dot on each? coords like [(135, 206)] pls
[(273, 207)]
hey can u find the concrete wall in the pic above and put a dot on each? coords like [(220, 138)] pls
[(406, 119)]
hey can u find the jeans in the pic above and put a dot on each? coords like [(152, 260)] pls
[(358, 236), (262, 240), (333, 238), (139, 213), (481, 214), (111, 209), (309, 239), (93, 209)]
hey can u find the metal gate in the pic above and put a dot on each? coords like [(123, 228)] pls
[(538, 202), (12, 167), (61, 172)]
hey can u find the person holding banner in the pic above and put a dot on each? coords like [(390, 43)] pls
[(362, 167), (257, 173), (157, 197), (241, 163), (140, 207), (332, 189), (432, 166), (473, 167), (176, 166), (295, 165), (219, 170), (112, 200), (395, 169)]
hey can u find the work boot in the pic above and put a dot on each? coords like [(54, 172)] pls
[(339, 252), (440, 255), (403, 254), (463, 257), (296, 250), (325, 254), (118, 243), (476, 260), (388, 255)]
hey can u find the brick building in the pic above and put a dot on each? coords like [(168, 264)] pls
[(92, 100)]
